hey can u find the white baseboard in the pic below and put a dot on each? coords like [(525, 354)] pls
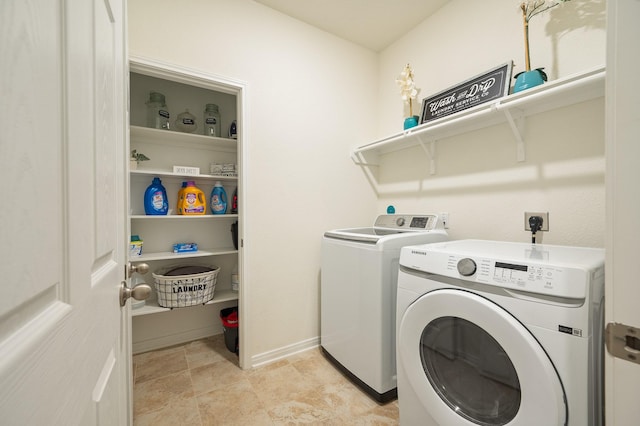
[(165, 341), (284, 352), (172, 340), (175, 327)]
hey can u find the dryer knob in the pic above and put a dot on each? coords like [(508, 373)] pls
[(466, 267), (400, 221)]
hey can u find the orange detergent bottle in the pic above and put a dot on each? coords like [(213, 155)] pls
[(191, 200)]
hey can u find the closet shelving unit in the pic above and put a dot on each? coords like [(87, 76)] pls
[(155, 326)]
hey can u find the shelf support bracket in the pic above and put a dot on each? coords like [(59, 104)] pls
[(430, 149), (360, 159), (517, 129)]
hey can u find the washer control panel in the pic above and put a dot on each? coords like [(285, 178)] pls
[(407, 222), (518, 274), (534, 275), (554, 271), (544, 279)]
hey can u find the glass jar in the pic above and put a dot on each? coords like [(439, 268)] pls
[(186, 122), (157, 111), (212, 125)]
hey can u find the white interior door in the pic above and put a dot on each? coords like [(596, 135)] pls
[(64, 344), (622, 383)]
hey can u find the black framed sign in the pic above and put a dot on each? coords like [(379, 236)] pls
[(483, 88)]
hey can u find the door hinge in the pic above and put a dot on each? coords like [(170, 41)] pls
[(623, 341)]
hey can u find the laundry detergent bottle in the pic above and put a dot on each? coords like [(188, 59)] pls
[(234, 202), (218, 199), (155, 198), (192, 200), (180, 195)]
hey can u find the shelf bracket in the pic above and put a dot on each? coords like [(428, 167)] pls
[(360, 159), (517, 128), (429, 148)]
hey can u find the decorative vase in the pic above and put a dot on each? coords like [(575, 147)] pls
[(410, 122), (528, 79), (133, 164)]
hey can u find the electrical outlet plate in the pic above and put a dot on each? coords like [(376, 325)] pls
[(444, 217), (544, 216)]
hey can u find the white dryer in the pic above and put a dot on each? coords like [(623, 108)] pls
[(358, 296), (496, 333)]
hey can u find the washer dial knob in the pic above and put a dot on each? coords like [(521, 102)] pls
[(466, 267), (400, 221)]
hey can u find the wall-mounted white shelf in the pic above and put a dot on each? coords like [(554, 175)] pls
[(152, 307), (511, 109)]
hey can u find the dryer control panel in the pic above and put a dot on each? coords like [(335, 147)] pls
[(535, 278), (540, 278), (556, 271)]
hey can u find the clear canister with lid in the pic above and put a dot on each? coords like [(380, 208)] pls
[(157, 111), (212, 125), (186, 122)]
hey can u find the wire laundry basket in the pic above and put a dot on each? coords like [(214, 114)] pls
[(183, 286)]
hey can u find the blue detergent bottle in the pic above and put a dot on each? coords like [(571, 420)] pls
[(155, 198), (218, 199)]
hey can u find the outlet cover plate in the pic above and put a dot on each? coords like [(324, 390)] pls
[(544, 216), (444, 217)]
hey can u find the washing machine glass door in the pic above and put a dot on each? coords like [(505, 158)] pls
[(471, 362)]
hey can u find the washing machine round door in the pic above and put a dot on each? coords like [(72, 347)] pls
[(471, 362)]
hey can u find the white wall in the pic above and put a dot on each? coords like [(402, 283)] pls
[(310, 96), (478, 180)]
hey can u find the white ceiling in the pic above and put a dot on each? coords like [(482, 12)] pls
[(374, 24)]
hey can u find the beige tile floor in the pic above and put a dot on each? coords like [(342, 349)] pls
[(200, 383)]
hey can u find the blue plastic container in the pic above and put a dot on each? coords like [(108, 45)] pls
[(528, 79), (218, 199), (155, 199)]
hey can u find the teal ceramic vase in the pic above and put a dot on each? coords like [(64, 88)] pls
[(528, 79), (410, 122)]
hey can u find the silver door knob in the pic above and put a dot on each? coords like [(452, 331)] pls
[(139, 292), (141, 268)]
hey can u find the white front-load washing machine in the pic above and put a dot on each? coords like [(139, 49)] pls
[(358, 296), (497, 333)]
